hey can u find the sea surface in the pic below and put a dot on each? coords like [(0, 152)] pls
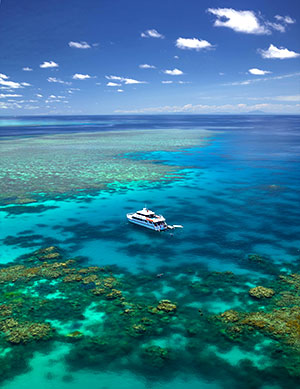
[(233, 182)]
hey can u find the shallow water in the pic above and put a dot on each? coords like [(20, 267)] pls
[(231, 181)]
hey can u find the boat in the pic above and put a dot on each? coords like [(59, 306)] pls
[(148, 219)]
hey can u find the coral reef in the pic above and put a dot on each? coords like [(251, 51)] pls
[(105, 314), (261, 292)]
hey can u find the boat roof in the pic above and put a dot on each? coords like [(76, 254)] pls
[(145, 212)]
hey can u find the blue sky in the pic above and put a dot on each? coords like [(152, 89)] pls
[(138, 56)]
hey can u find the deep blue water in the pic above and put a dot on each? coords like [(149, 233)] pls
[(238, 195)]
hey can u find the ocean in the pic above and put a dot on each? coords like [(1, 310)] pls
[(87, 298)]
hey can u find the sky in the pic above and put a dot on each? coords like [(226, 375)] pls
[(68, 57)]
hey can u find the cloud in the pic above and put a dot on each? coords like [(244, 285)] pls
[(202, 108), (276, 26), (258, 72), (254, 80), (146, 66), (27, 69), (127, 81), (275, 52), (239, 21), (25, 84), (50, 64), (174, 72), (79, 45), (192, 44), (151, 34), (39, 95), (4, 96), (112, 84), (8, 84), (167, 82), (285, 19), (57, 80), (79, 76), (295, 98), (120, 90)]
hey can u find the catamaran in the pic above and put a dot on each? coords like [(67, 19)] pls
[(149, 219)]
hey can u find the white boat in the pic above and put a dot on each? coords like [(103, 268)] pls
[(148, 219)]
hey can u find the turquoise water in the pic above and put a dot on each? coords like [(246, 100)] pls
[(235, 195)]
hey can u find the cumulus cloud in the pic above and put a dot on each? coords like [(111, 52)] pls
[(258, 72), (8, 84), (239, 21), (112, 84), (49, 64), (146, 66), (57, 80), (79, 45), (192, 44), (275, 52), (120, 90), (174, 72), (248, 22), (27, 69), (25, 84), (126, 81), (151, 34), (39, 95), (78, 76)]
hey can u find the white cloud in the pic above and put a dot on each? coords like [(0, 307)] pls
[(275, 52), (276, 26), (192, 44), (112, 84), (174, 72), (167, 82), (176, 57), (79, 76), (254, 80), (239, 21), (25, 84), (57, 80), (285, 19), (120, 90), (146, 66), (127, 81), (4, 96), (79, 45), (50, 64), (258, 72), (151, 34), (114, 78), (27, 69), (39, 95), (8, 84), (132, 81), (202, 108)]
